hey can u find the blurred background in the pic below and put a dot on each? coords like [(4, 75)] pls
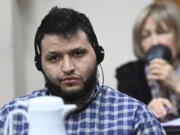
[(112, 21)]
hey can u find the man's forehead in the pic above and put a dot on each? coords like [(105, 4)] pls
[(57, 43), (69, 35)]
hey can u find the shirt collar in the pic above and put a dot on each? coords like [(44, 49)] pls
[(94, 94)]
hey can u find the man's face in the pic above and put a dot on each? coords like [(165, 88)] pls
[(69, 65)]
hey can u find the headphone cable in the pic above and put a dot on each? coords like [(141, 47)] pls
[(102, 72)]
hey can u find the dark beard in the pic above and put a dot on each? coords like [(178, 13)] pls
[(71, 96)]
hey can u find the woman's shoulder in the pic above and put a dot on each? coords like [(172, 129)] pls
[(136, 64)]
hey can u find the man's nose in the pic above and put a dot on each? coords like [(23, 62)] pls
[(68, 66)]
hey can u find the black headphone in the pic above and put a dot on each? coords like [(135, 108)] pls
[(37, 60), (99, 51)]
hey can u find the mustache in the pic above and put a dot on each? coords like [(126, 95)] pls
[(68, 77)]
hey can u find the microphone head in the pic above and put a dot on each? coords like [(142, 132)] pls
[(158, 51)]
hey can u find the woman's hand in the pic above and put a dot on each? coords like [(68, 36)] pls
[(162, 71), (160, 107)]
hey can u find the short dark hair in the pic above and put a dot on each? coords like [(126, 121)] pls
[(65, 22)]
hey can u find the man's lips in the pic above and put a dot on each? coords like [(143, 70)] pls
[(69, 80)]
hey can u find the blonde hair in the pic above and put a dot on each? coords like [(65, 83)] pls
[(165, 12)]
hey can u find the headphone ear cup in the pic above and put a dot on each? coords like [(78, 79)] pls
[(38, 63), (99, 54)]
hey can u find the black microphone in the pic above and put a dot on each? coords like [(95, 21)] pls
[(163, 52), (158, 51)]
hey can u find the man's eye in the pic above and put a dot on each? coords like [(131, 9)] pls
[(78, 53), (54, 58)]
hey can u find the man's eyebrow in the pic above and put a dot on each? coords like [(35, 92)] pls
[(79, 48), (51, 53)]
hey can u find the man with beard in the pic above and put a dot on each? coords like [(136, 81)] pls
[(67, 53)]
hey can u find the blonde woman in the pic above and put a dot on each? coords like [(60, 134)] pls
[(158, 23)]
